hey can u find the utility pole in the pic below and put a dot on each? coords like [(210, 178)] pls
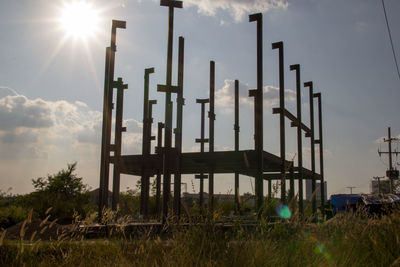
[(391, 173), (351, 188)]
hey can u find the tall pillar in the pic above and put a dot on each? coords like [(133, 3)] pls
[(211, 116), (146, 135), (312, 137), (202, 141), (296, 67), (258, 102), (103, 202), (160, 168), (291, 181), (118, 137), (150, 138), (321, 147), (168, 89), (178, 131), (279, 45), (236, 127), (107, 113)]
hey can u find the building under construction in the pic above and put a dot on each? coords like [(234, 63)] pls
[(170, 161)]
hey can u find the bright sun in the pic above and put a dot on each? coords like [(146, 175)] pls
[(80, 19)]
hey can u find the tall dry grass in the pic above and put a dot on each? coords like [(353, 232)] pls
[(352, 239)]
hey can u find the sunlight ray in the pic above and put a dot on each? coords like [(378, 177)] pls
[(52, 56), (92, 67)]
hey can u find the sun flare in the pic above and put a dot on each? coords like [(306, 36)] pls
[(80, 19)]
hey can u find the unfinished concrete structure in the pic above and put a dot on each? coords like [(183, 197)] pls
[(168, 160)]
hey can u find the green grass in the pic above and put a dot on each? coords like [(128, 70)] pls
[(348, 240)]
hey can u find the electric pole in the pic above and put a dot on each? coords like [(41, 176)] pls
[(391, 173)]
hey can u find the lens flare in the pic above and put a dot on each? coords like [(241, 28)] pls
[(283, 211), (319, 247)]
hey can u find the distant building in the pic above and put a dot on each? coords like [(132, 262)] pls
[(385, 186), (95, 197), (309, 191)]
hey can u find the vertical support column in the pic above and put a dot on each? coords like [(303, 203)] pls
[(236, 127), (279, 45), (269, 189), (159, 171), (310, 85), (296, 67), (178, 131), (107, 113), (211, 116), (259, 115), (291, 189), (202, 140), (168, 107), (118, 136), (321, 148), (115, 24), (104, 144), (146, 135), (150, 124), (150, 138)]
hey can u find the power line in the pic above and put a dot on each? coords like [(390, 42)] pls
[(390, 37)]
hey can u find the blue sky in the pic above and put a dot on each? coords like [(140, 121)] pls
[(51, 87)]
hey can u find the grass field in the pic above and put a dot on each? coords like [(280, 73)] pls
[(345, 240)]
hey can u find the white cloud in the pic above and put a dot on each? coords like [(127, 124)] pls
[(40, 127), (5, 91), (224, 97), (271, 95), (237, 8), (18, 111), (39, 136)]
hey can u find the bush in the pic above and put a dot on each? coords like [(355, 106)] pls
[(63, 192), (11, 215)]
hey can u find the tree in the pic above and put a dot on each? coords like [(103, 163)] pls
[(64, 192), (64, 182)]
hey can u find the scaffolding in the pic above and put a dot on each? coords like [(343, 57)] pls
[(168, 160)]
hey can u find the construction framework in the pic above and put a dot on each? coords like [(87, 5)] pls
[(168, 160)]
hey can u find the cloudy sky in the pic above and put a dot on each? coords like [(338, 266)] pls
[(51, 80)]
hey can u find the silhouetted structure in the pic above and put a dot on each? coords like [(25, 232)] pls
[(168, 160), (391, 173)]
